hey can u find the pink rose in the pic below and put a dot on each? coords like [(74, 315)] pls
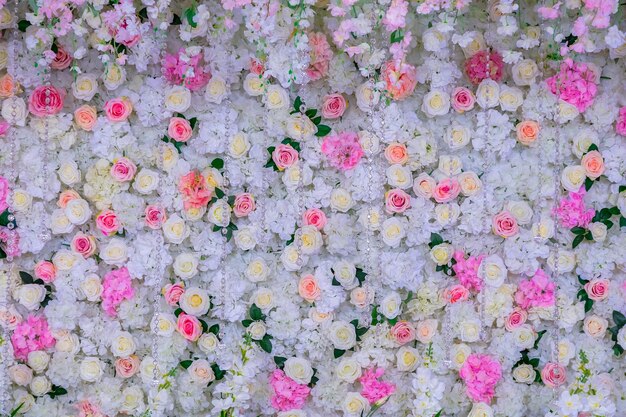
[(515, 319), (67, 196), (396, 153), (107, 222), (62, 59), (308, 288), (127, 367), (256, 66), (123, 169), (189, 327), (593, 164), (446, 190), (179, 129), (45, 271), (334, 106), (553, 375), (84, 245), (462, 99), (504, 224), (46, 100), (400, 79), (314, 217), (397, 201), (173, 292), (456, 293), (284, 156), (4, 127), (118, 109), (597, 289), (244, 205), (155, 216), (402, 332)]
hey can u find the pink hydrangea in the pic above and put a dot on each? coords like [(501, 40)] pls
[(466, 270), (11, 240), (343, 150), (572, 212), (536, 292), (575, 84), (484, 64), (31, 335), (123, 24), (395, 15), (620, 125), (321, 55), (480, 373), (186, 70), (288, 394), (4, 193), (116, 287), (373, 389)]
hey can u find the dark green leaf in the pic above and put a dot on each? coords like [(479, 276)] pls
[(336, 283), (608, 224), (614, 211), (588, 304), (592, 147), (176, 20), (23, 25), (617, 350), (317, 120), (588, 183), (337, 353), (266, 343), (186, 364), (26, 278), (297, 103), (219, 374), (582, 281), (396, 36), (205, 327), (193, 121), (217, 163), (178, 311), (56, 391), (215, 329), (577, 240), (578, 230), (280, 361), (322, 130), (619, 319), (189, 14), (310, 113), (219, 193), (256, 313)]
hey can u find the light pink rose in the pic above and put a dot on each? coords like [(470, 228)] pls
[(456, 293), (314, 217), (155, 216), (123, 169), (45, 271), (189, 327), (179, 129), (462, 99), (446, 190), (173, 292), (46, 100), (107, 222), (84, 245), (284, 156), (308, 288), (127, 367), (397, 201), (334, 106), (553, 375), (597, 289), (118, 109), (244, 205), (504, 224), (515, 319), (67, 196), (62, 59), (593, 164), (402, 332), (424, 185)]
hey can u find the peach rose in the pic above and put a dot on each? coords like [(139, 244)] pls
[(189, 327), (118, 109), (455, 294), (527, 132), (127, 367), (62, 59), (597, 289), (334, 106), (593, 163), (504, 224), (45, 271), (314, 217), (402, 332), (446, 190), (595, 326), (397, 201), (308, 288), (400, 79), (67, 196), (179, 129), (396, 153), (426, 330), (8, 86), (86, 117), (424, 185), (553, 375), (173, 292), (244, 205), (84, 245)]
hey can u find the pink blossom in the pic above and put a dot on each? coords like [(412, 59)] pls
[(483, 65), (400, 79), (373, 389), (536, 292), (480, 373), (31, 335), (4, 193), (194, 189), (343, 150), (466, 270), (4, 127), (575, 84), (288, 394), (116, 287), (572, 212), (11, 239), (321, 55), (123, 23), (395, 15), (87, 409), (550, 13), (180, 69), (620, 125)]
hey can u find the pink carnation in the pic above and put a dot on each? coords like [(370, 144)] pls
[(343, 150), (575, 84), (536, 292), (572, 212), (466, 270), (288, 394), (480, 373), (116, 287), (484, 64), (31, 335), (373, 389), (186, 70)]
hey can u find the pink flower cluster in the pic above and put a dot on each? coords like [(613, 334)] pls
[(321, 55), (373, 389), (536, 292), (4, 193), (480, 373), (466, 270), (116, 287), (343, 150), (31, 335), (572, 212), (194, 190), (575, 84), (288, 394), (123, 24), (400, 79), (484, 64), (12, 240), (620, 125), (395, 15), (187, 70)]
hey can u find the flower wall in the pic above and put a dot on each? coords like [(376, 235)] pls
[(312, 208)]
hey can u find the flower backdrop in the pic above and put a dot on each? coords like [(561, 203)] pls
[(304, 208)]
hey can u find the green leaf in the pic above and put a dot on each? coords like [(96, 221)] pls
[(375, 316), (215, 329), (310, 113), (588, 183), (16, 410), (605, 213), (335, 282), (256, 313), (322, 130), (26, 278), (619, 319), (176, 20), (246, 322), (582, 281), (186, 364), (539, 336), (56, 391), (577, 241), (34, 6), (337, 353), (534, 362), (622, 221), (178, 311), (608, 224), (396, 36), (280, 361), (360, 275), (622, 188), (266, 344), (3, 254), (578, 230), (22, 25), (193, 122), (297, 103), (588, 304), (217, 163), (205, 327), (435, 239), (615, 210), (189, 14), (219, 374), (617, 350), (317, 120), (592, 147), (219, 193), (4, 218)]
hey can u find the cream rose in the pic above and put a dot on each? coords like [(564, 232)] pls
[(447, 214), (123, 345), (390, 305), (520, 210), (257, 270), (393, 231), (146, 181), (91, 287), (38, 360), (20, 374), (300, 127), (114, 75), (310, 239), (254, 84), (407, 359), (524, 72), (175, 230), (64, 260), (488, 93), (219, 213), (348, 370), (399, 176), (524, 336), (345, 274), (470, 183), (85, 86), (457, 136), (492, 271), (91, 369), (436, 103), (200, 372), (342, 335), (257, 330), (480, 410), (442, 254), (177, 99), (524, 374), (216, 89), (30, 295), (164, 324), (299, 370), (458, 354), (354, 404), (14, 111), (595, 326), (598, 231), (40, 386), (239, 145), (341, 200), (245, 238), (263, 298), (115, 252), (69, 174), (78, 211), (195, 301), (510, 98), (186, 265), (208, 343), (276, 97), (470, 330)]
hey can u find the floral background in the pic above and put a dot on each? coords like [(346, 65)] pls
[(313, 208)]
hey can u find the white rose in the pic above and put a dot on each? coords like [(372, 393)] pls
[(208, 343), (348, 370), (201, 372), (544, 229), (510, 98), (369, 218), (524, 336), (115, 252), (524, 374), (471, 43), (114, 75), (447, 214), (20, 374), (598, 231), (78, 211), (60, 224), (470, 183), (434, 40), (342, 335), (292, 259), (175, 230), (123, 345), (177, 99), (407, 359), (67, 342), (219, 213), (40, 386), (520, 210), (457, 136), (354, 404), (573, 177), (245, 238), (621, 337), (276, 97), (164, 324), (254, 84), (291, 413), (310, 239), (565, 263), (23, 397), (595, 326), (345, 274), (194, 213), (436, 103), (480, 410), (341, 200), (442, 254), (470, 330), (369, 142), (216, 90), (186, 265), (300, 127), (195, 301), (21, 200), (525, 72), (566, 112), (14, 110), (132, 398), (299, 370), (459, 354), (146, 368), (257, 270), (30, 295), (257, 330), (69, 174), (91, 287), (450, 165), (366, 96), (492, 271), (390, 305), (85, 86), (146, 181), (393, 231), (399, 176), (64, 260), (488, 93), (263, 298), (167, 157), (239, 145), (582, 141), (566, 351), (91, 369)]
